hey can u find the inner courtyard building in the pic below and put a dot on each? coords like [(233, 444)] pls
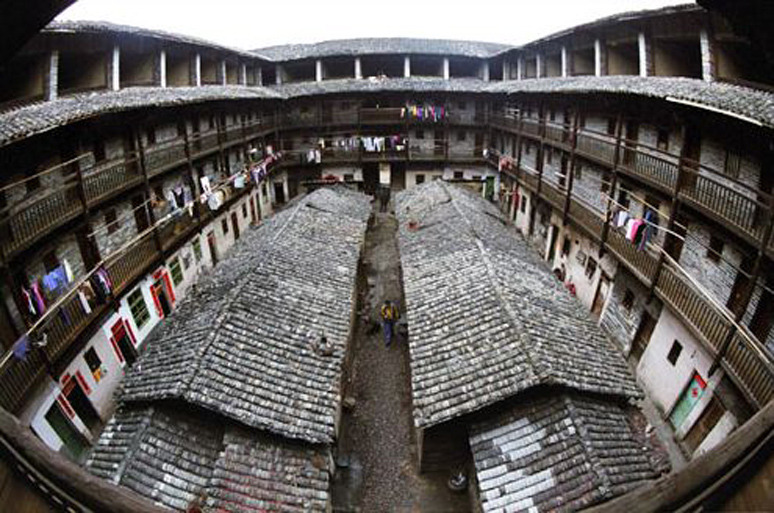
[(196, 244)]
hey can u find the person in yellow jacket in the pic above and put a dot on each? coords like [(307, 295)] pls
[(390, 314)]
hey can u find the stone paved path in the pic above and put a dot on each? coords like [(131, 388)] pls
[(377, 444)]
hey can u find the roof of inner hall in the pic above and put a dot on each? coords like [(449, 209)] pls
[(487, 318), (749, 104)]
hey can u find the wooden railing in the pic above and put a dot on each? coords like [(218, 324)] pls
[(38, 216), (736, 205), (746, 359), (109, 179), (204, 142), (67, 321), (161, 157), (386, 115)]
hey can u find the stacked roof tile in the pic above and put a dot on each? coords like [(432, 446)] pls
[(559, 453), (487, 319), (739, 101), (244, 351), (179, 458)]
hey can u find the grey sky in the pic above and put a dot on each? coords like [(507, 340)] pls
[(250, 24)]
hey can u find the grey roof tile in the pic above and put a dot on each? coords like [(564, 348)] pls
[(35, 118), (486, 318), (28, 120), (243, 344), (381, 45), (176, 456), (561, 452), (104, 27)]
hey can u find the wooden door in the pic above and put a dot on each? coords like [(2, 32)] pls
[(603, 289), (642, 337), (235, 225)]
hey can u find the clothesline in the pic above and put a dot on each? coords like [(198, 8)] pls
[(76, 285)]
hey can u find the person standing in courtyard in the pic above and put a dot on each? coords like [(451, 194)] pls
[(390, 314)]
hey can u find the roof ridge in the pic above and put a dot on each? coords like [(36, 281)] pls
[(577, 419), (515, 322), (186, 387)]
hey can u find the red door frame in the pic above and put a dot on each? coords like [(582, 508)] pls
[(119, 329)]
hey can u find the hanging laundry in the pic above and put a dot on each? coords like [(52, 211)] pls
[(179, 196), (239, 181), (205, 181), (37, 297), (55, 282), (21, 347), (29, 302), (622, 219), (68, 271), (85, 306)]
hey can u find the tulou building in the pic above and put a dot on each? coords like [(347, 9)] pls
[(582, 243)]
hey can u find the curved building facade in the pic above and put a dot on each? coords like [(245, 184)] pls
[(633, 155)]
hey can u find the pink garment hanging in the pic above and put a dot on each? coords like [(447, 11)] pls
[(633, 228)]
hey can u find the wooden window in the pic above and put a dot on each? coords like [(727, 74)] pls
[(733, 163), (566, 245), (92, 360), (420, 178), (591, 268), (552, 115), (461, 135), (176, 272), (99, 151), (111, 221), (50, 261), (419, 134), (224, 226), (244, 210), (662, 139), (523, 204), (459, 175), (197, 250), (715, 250), (628, 300), (349, 177), (611, 122), (138, 308), (674, 352)]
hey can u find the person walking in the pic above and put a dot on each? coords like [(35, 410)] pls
[(390, 314)]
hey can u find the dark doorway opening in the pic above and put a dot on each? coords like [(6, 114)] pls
[(235, 225), (213, 247), (81, 404), (279, 193), (398, 175), (370, 177)]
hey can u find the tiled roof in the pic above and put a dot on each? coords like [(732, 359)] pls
[(741, 101), (114, 29), (383, 45), (35, 118), (245, 344), (384, 85), (562, 452), (486, 317), (28, 120), (176, 457)]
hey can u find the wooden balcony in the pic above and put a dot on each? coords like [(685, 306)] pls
[(32, 219), (746, 359), (743, 209), (109, 179), (203, 143), (381, 116), (67, 322), (165, 156)]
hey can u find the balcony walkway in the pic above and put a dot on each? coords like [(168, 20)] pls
[(377, 443)]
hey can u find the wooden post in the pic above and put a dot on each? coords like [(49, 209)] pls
[(146, 183), (539, 166), (571, 178), (613, 184), (741, 307)]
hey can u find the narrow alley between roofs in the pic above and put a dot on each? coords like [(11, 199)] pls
[(377, 457)]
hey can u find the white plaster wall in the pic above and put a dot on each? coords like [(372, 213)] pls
[(663, 381), (722, 429)]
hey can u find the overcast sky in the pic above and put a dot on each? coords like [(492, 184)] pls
[(249, 24)]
